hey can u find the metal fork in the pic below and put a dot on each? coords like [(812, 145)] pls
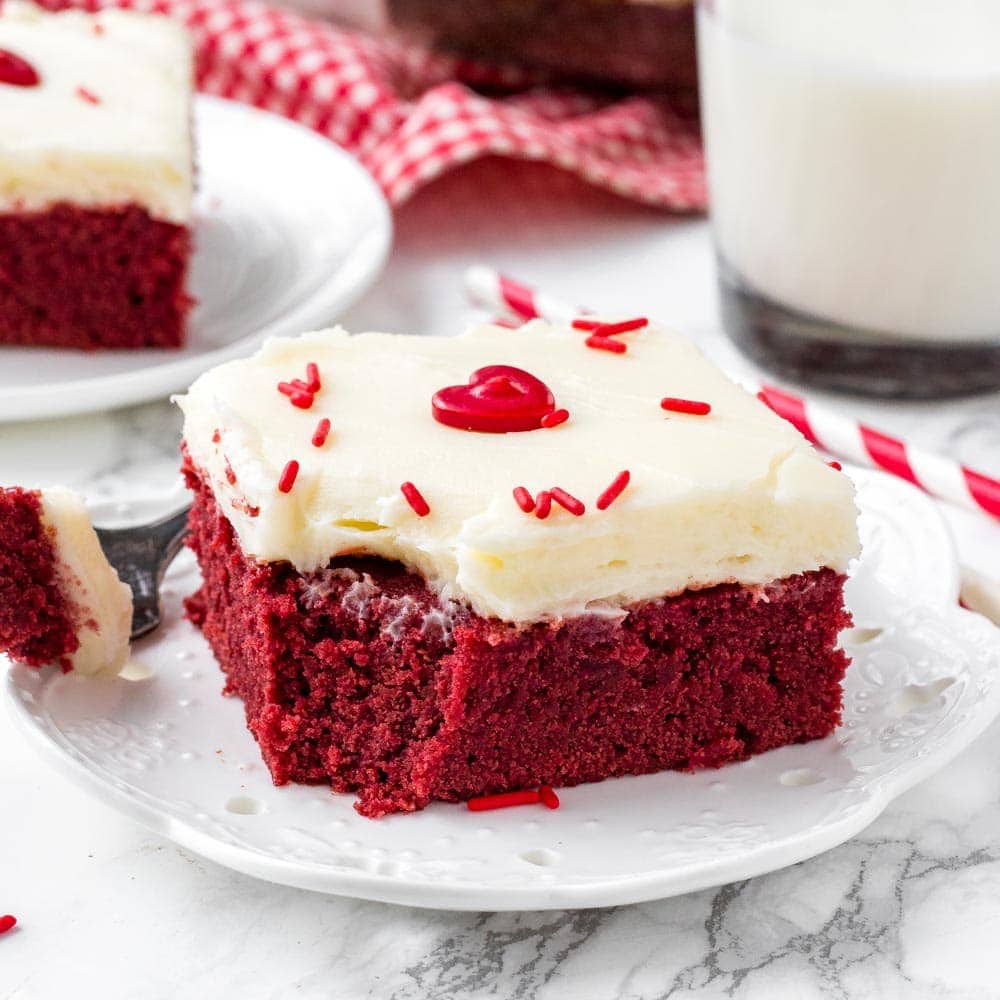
[(141, 555)]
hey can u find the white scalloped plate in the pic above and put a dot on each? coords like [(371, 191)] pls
[(170, 752), (289, 232)]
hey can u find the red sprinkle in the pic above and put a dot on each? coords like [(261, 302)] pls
[(7, 923), (614, 490), (600, 343), (547, 796), (312, 377), (762, 396), (692, 406), (836, 465), (610, 329), (321, 433), (555, 418), (415, 499), (216, 436), (299, 393), (568, 501), (287, 480), (484, 803), (16, 71), (543, 505), (87, 95), (625, 326), (523, 499), (230, 475)]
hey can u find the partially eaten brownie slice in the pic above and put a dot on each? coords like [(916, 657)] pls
[(436, 568), (60, 600)]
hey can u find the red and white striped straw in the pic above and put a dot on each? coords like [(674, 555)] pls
[(833, 432), (857, 442), (496, 291)]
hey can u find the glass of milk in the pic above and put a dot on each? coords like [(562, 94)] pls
[(853, 154)]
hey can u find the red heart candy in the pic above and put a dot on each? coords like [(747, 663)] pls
[(16, 71), (497, 400)]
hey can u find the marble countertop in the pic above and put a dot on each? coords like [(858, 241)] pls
[(908, 909)]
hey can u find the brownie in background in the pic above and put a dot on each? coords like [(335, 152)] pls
[(633, 43)]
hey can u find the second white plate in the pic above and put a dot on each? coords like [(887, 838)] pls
[(166, 749), (289, 232)]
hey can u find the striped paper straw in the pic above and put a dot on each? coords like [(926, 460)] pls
[(839, 435), (493, 290), (835, 433)]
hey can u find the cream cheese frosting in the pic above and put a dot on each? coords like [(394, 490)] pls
[(100, 604), (127, 141), (735, 496)]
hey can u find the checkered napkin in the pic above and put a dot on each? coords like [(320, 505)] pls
[(409, 115)]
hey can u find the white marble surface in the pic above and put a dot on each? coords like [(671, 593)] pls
[(909, 909)]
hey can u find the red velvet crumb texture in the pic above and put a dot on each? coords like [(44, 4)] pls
[(358, 677), (36, 626), (92, 278)]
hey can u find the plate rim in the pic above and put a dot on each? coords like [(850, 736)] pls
[(166, 375), (468, 896), (475, 895)]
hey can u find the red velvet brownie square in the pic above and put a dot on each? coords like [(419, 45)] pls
[(60, 600), (649, 44), (95, 178), (425, 586)]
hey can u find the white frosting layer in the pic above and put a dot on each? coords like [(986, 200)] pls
[(134, 146), (735, 496), (100, 603)]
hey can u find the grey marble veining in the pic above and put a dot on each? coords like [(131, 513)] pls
[(908, 909)]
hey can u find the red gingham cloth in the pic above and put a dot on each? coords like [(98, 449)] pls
[(409, 115)]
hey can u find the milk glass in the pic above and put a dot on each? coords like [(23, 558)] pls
[(853, 151)]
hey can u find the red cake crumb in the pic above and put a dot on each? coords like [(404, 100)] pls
[(36, 625), (360, 677), (92, 278)]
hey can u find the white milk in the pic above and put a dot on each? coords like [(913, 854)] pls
[(854, 158)]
